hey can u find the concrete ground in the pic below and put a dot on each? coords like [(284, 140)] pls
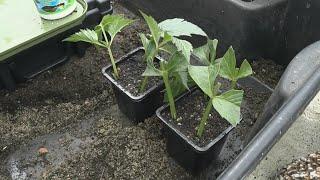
[(300, 140)]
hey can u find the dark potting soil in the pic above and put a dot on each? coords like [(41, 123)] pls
[(304, 168), (267, 71), (130, 72), (189, 111)]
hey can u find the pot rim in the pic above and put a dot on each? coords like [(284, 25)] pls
[(179, 133)]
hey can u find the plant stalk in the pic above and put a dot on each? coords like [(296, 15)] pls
[(108, 46), (169, 94), (209, 107), (233, 84), (146, 78), (144, 83), (204, 119), (115, 70)]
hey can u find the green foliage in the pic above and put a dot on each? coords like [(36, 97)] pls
[(207, 52), (229, 69), (180, 27), (204, 77), (85, 35), (183, 46), (153, 27), (228, 103), (111, 25), (164, 37)]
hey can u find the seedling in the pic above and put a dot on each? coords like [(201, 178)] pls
[(110, 25), (173, 70), (228, 103)]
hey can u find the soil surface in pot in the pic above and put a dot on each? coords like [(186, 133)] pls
[(189, 113), (267, 71), (303, 168), (130, 71)]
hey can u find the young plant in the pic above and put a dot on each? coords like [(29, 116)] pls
[(164, 37), (230, 71), (103, 35), (227, 104)]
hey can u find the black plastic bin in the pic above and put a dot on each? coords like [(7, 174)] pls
[(275, 29), (51, 52)]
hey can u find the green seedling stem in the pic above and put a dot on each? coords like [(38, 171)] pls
[(108, 46), (172, 106), (206, 113)]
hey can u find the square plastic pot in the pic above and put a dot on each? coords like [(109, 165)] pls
[(136, 108), (190, 156)]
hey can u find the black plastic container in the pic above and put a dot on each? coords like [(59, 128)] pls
[(275, 29), (253, 27), (189, 155), (136, 108), (51, 52), (96, 10)]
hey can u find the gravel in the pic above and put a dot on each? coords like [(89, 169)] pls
[(303, 168)]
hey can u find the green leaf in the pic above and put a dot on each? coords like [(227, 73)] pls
[(207, 52), (204, 77), (213, 49), (180, 27), (245, 69), (98, 31), (151, 70), (153, 26), (228, 105), (173, 62), (150, 51), (182, 65), (177, 88), (166, 38), (183, 46), (202, 53), (228, 65), (113, 24), (85, 35), (169, 48), (144, 40), (180, 70), (183, 77), (229, 69)]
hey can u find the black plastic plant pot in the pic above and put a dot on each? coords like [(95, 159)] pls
[(136, 108), (190, 156)]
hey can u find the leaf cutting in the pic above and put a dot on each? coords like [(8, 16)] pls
[(103, 35)]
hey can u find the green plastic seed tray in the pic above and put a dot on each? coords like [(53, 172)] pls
[(21, 26)]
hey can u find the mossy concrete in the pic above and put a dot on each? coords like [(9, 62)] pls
[(301, 139)]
